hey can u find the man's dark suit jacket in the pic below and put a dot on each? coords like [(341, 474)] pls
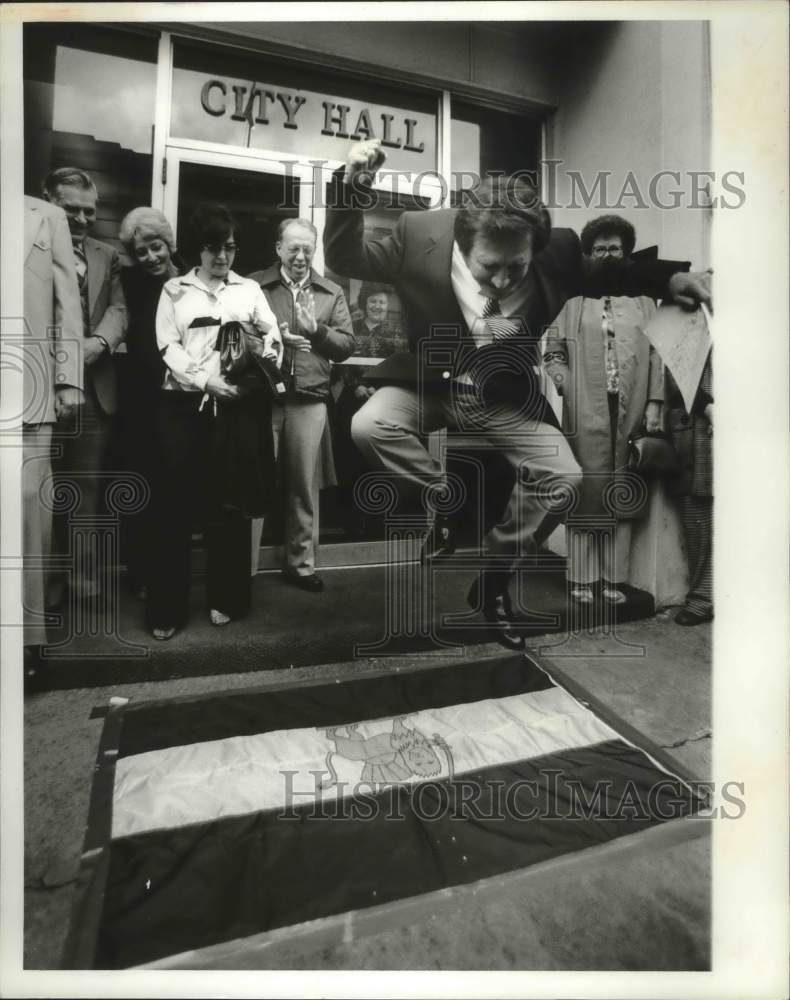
[(417, 260), (106, 318)]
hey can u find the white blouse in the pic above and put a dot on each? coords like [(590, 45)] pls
[(188, 319)]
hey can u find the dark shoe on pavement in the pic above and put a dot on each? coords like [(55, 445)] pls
[(439, 542), (313, 583), (497, 610), (686, 617)]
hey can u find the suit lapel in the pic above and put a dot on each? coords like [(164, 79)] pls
[(438, 264), (33, 222)]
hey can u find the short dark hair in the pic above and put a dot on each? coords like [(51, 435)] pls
[(306, 223), (502, 207), (608, 225), (371, 288), (211, 224), (72, 176)]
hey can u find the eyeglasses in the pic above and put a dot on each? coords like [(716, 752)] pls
[(217, 248), (613, 251)]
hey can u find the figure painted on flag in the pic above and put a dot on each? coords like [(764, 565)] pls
[(388, 757), (611, 382)]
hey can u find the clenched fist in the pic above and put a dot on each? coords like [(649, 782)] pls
[(363, 160)]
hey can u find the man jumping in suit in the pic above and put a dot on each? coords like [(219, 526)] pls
[(103, 328), (478, 286), (52, 386)]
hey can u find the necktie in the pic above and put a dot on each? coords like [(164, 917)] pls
[(81, 264), (500, 327)]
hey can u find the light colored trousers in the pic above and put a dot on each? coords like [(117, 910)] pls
[(599, 554), (36, 528), (298, 426), (387, 431)]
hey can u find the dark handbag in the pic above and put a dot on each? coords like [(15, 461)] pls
[(234, 355), (241, 360), (653, 455)]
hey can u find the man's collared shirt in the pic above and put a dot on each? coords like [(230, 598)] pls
[(472, 300), (296, 286), (188, 320)]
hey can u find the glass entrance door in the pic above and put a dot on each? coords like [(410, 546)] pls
[(260, 193)]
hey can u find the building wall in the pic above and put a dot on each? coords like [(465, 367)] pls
[(511, 60), (636, 97), (628, 96)]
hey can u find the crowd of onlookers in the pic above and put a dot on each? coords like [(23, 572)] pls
[(222, 401)]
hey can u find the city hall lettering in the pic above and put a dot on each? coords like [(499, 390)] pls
[(256, 105)]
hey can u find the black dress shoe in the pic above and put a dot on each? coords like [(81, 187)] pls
[(312, 583), (497, 610), (686, 617), (439, 542)]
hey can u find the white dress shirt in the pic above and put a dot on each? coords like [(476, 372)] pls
[(188, 348), (472, 299)]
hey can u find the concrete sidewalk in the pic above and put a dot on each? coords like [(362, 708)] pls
[(628, 912)]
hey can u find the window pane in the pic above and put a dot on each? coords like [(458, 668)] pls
[(254, 101), (484, 141), (89, 103)]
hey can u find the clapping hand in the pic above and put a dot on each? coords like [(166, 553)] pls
[(363, 160), (293, 340), (305, 313)]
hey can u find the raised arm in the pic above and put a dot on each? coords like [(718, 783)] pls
[(345, 249)]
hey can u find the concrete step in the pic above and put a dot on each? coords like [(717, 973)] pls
[(369, 611)]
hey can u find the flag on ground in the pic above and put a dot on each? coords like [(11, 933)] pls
[(219, 818)]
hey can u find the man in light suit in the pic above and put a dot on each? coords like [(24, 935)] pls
[(98, 265), (478, 285), (52, 385)]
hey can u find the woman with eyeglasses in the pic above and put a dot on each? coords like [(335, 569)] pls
[(611, 383), (199, 489)]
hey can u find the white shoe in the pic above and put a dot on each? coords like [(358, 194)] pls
[(613, 595), (218, 617), (582, 594)]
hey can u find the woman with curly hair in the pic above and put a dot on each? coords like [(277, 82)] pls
[(610, 380)]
